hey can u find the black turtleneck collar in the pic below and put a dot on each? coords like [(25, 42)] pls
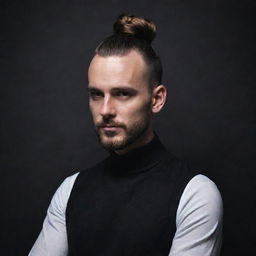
[(139, 159)]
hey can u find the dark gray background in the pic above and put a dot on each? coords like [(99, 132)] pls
[(208, 53)]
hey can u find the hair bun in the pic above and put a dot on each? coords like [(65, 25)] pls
[(136, 26)]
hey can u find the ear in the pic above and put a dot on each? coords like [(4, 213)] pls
[(158, 98)]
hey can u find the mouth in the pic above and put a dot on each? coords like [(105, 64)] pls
[(110, 128)]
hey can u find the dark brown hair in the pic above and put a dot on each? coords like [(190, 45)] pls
[(134, 33)]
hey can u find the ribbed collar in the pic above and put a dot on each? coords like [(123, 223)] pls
[(138, 160)]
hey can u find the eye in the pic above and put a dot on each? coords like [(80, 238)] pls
[(95, 94), (123, 94)]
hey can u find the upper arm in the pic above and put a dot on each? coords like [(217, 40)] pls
[(198, 220), (52, 240)]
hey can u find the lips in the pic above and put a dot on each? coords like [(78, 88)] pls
[(110, 128)]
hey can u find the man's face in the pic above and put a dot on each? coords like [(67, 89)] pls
[(120, 100)]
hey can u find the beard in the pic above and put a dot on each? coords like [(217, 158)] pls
[(125, 134)]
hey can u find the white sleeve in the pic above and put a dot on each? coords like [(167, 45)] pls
[(52, 240), (198, 220)]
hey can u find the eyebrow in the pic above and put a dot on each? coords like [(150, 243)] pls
[(125, 88), (92, 88), (121, 88)]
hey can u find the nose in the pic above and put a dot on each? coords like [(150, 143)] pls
[(107, 108)]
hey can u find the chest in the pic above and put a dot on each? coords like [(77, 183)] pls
[(130, 215)]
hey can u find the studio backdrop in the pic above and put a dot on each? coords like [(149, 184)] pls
[(46, 133)]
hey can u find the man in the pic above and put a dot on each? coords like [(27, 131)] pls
[(141, 200)]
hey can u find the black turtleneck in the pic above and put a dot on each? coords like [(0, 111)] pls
[(138, 160), (126, 205)]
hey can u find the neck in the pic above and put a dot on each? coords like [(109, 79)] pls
[(138, 160), (142, 140)]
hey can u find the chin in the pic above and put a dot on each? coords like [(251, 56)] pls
[(112, 143), (122, 138)]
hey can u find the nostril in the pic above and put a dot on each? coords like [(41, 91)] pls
[(106, 118)]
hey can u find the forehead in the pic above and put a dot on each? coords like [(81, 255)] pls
[(112, 71)]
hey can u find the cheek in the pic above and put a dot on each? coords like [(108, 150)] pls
[(134, 112), (94, 110)]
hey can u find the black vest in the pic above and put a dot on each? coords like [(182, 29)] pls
[(126, 205)]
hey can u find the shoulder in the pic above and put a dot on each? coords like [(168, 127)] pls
[(95, 168), (61, 196), (202, 196), (199, 219), (67, 184), (201, 183)]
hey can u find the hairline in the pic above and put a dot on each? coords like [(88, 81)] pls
[(124, 53)]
